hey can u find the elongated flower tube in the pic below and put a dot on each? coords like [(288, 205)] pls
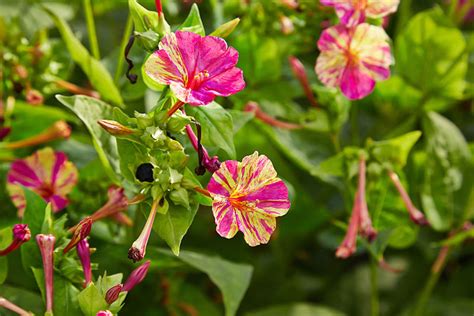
[(253, 107), (12, 307), (415, 214), (59, 130), (21, 234), (353, 12), (138, 249), (248, 196), (196, 68), (353, 59), (117, 203), (300, 73), (47, 173), (46, 246), (366, 229), (348, 245), (84, 254)]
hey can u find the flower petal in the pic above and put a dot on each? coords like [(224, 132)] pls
[(356, 83), (225, 218), (256, 227), (380, 8), (223, 181), (226, 83)]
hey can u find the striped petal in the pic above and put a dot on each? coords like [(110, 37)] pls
[(47, 173), (247, 196), (354, 12), (381, 8), (354, 58)]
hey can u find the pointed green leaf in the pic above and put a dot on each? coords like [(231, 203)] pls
[(193, 22), (91, 300)]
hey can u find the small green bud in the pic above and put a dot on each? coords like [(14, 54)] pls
[(149, 40), (180, 196), (143, 120), (226, 29), (175, 176), (177, 122)]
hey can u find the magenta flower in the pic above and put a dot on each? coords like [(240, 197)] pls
[(353, 12), (135, 278), (104, 313), (196, 68), (353, 59), (248, 196), (21, 234), (47, 173)]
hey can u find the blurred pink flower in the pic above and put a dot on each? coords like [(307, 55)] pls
[(353, 12), (197, 68), (104, 313), (248, 196), (47, 173), (353, 58), (21, 234)]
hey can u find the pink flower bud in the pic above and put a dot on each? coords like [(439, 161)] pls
[(113, 293), (115, 128), (136, 276), (46, 246), (138, 249), (348, 245), (58, 130), (300, 73), (84, 253), (21, 234), (104, 313), (79, 232)]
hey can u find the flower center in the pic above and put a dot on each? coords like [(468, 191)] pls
[(359, 4), (198, 79), (46, 190)]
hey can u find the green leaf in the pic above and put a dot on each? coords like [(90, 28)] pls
[(5, 240), (297, 309), (89, 111), (431, 55), (34, 216), (131, 156), (232, 279), (193, 22), (94, 69), (91, 300), (447, 172), (173, 225), (65, 294), (217, 127), (394, 150)]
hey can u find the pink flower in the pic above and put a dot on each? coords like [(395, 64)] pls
[(47, 173), (21, 234), (353, 12), (104, 313), (248, 196), (353, 59), (197, 68)]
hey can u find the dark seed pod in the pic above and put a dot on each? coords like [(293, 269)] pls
[(144, 172)]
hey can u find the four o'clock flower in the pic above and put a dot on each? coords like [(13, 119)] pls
[(248, 196), (196, 68), (353, 12), (353, 59), (21, 234), (46, 246), (84, 254), (47, 173)]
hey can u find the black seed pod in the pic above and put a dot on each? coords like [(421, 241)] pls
[(144, 172)]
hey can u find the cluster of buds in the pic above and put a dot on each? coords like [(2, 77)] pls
[(133, 280)]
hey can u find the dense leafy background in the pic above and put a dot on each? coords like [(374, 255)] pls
[(419, 122)]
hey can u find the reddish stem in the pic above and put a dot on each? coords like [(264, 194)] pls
[(254, 108), (202, 191), (300, 73), (175, 108), (76, 89), (159, 7)]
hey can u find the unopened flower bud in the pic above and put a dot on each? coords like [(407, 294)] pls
[(136, 276), (84, 254), (34, 97), (46, 246), (226, 29), (79, 232), (58, 130), (115, 128), (21, 234), (138, 249), (299, 72), (113, 293)]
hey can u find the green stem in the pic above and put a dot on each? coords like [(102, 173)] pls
[(404, 13), (374, 297), (123, 43), (94, 44), (430, 284)]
